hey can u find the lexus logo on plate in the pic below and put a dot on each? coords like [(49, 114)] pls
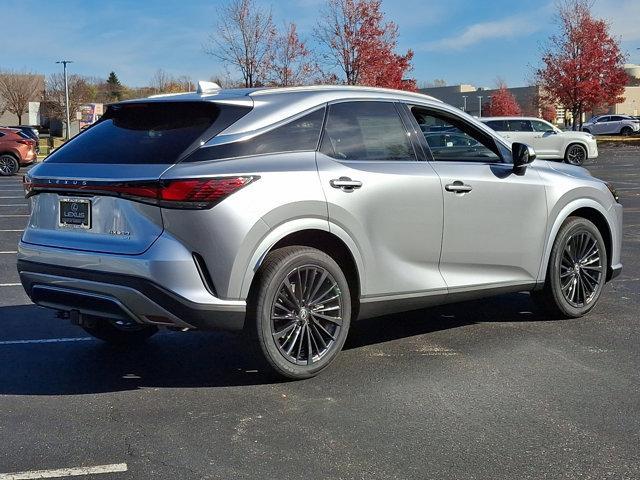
[(74, 207)]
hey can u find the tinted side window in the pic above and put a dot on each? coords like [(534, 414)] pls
[(450, 138), (603, 119), (617, 119), (366, 131), (298, 135), (520, 126), (498, 125), (540, 126)]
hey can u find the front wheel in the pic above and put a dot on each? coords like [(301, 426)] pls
[(575, 155), (299, 311), (577, 270)]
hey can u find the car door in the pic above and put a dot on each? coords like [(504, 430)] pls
[(548, 142), (381, 194), (494, 220), (520, 130), (602, 125)]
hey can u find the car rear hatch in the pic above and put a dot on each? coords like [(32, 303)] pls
[(102, 190)]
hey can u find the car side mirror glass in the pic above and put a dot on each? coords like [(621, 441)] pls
[(522, 155)]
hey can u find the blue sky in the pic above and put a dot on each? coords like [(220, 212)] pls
[(460, 41)]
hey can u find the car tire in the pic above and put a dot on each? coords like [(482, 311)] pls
[(577, 270), (575, 154), (289, 329), (626, 131), (9, 165), (115, 334)]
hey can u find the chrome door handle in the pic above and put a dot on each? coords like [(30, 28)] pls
[(345, 183), (458, 187)]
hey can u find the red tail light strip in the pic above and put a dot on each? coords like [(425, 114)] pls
[(193, 193)]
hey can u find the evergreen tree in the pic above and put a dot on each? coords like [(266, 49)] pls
[(114, 87)]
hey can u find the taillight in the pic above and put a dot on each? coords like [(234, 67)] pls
[(26, 142), (192, 193)]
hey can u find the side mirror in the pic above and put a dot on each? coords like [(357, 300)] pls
[(522, 155)]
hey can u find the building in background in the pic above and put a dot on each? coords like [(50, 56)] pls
[(475, 98), (529, 99)]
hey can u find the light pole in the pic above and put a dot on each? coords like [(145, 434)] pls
[(480, 106), (66, 94), (464, 108)]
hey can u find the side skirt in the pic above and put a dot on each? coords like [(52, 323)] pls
[(371, 307)]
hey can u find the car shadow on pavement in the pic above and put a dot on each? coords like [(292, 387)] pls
[(196, 359)]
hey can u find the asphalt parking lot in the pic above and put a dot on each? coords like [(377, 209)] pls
[(479, 390)]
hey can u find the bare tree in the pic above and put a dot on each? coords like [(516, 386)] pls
[(243, 40), (79, 92), (291, 64), (160, 81), (18, 89)]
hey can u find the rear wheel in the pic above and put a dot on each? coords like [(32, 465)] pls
[(8, 165), (118, 333), (626, 131), (575, 154), (577, 270), (299, 311)]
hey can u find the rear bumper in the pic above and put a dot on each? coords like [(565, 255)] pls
[(127, 297)]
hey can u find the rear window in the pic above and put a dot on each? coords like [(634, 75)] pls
[(154, 132)]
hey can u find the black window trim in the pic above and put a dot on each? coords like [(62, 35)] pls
[(425, 145), (395, 103), (248, 136)]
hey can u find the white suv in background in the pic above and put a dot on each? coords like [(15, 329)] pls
[(550, 142), (612, 125)]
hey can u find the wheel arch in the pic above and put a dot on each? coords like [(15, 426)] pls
[(577, 142), (316, 234), (11, 153), (590, 210)]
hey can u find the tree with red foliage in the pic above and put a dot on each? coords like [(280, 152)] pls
[(361, 46), (583, 65), (502, 103), (291, 64), (549, 113)]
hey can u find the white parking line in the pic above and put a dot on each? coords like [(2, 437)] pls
[(5, 216), (16, 230), (15, 205), (46, 340), (65, 472), (18, 196), (8, 252), (9, 284)]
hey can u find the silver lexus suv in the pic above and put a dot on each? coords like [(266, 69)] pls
[(289, 213)]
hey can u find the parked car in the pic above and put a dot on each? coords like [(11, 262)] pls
[(612, 125), (550, 142), (289, 213), (31, 132), (16, 150)]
